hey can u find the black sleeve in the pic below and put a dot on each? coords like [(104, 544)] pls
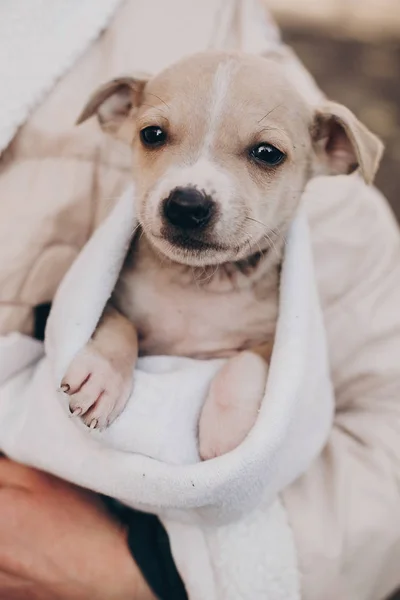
[(150, 548)]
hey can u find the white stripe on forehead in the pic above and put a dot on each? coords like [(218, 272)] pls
[(219, 92)]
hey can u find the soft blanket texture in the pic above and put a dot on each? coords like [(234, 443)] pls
[(148, 457), (54, 34)]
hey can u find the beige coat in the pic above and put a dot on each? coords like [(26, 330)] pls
[(57, 183)]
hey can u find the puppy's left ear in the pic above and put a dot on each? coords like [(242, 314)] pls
[(115, 104), (342, 143)]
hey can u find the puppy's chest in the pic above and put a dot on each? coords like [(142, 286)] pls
[(175, 312)]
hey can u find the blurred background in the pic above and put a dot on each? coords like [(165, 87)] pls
[(352, 47)]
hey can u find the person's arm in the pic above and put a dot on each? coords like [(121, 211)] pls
[(345, 511), (59, 542)]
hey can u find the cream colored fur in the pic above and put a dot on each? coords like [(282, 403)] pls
[(220, 300)]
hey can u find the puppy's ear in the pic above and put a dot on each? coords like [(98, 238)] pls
[(343, 144), (115, 104)]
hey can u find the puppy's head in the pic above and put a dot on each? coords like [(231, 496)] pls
[(223, 146)]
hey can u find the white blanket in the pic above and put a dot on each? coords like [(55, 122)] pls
[(227, 527), (40, 40)]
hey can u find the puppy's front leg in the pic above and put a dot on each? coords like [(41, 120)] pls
[(99, 379), (233, 401)]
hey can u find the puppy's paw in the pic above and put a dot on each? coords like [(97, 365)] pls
[(220, 432), (223, 427), (232, 404), (97, 386)]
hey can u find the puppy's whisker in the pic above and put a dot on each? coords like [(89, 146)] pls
[(272, 129), (209, 277), (261, 251), (268, 234), (195, 279), (249, 243), (272, 244), (135, 229), (158, 98), (278, 233), (151, 106), (197, 272), (255, 221), (159, 108), (270, 112)]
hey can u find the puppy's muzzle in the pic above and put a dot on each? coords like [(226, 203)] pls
[(188, 209)]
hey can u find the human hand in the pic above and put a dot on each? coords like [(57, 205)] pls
[(58, 542)]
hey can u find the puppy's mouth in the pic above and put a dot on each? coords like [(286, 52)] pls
[(188, 249), (187, 242), (196, 252)]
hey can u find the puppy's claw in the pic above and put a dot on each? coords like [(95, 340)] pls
[(99, 387)]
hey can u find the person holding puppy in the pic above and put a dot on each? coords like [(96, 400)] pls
[(58, 541)]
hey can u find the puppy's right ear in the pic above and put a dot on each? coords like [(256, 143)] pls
[(115, 104)]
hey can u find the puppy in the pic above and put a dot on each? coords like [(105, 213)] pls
[(223, 146)]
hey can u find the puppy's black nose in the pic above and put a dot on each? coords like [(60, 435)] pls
[(187, 208)]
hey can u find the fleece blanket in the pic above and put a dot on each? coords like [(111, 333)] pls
[(40, 40), (228, 529)]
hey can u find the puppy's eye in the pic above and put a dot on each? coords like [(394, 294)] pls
[(267, 154), (153, 136)]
